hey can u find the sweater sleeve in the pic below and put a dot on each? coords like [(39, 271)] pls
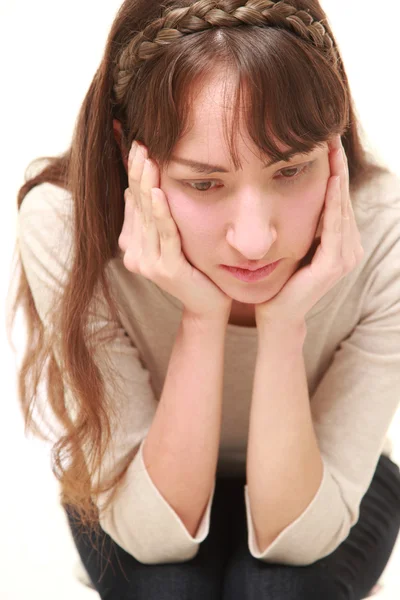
[(140, 520), (352, 409)]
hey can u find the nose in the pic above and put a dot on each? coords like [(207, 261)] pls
[(252, 232)]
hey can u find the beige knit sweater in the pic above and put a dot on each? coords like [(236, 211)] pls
[(352, 358)]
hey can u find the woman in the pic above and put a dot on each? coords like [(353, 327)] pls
[(224, 431)]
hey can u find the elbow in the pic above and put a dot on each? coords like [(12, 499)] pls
[(327, 546), (316, 545), (149, 549)]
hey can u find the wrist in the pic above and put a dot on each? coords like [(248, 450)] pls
[(290, 334), (214, 323)]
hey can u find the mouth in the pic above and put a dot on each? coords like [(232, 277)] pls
[(249, 267), (248, 275)]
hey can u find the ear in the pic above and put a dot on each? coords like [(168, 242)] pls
[(117, 130)]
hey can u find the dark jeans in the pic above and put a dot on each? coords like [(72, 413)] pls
[(224, 568)]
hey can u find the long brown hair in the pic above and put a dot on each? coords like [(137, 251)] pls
[(284, 56)]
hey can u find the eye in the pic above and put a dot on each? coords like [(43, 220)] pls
[(289, 175), (298, 173), (200, 183)]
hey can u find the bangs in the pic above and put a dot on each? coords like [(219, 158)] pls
[(283, 92), (282, 100)]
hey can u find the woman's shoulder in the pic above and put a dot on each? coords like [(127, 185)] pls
[(45, 229), (379, 192), (46, 199)]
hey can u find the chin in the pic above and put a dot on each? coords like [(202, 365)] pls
[(254, 296)]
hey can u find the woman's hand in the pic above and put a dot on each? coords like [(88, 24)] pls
[(152, 248), (339, 252)]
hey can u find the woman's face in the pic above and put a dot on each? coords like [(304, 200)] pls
[(255, 214)]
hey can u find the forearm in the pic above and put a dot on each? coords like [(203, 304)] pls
[(181, 449), (284, 464)]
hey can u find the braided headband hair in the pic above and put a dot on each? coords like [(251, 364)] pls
[(205, 14)]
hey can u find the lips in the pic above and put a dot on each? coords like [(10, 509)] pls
[(250, 267), (252, 276)]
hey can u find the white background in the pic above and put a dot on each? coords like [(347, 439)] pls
[(49, 52)]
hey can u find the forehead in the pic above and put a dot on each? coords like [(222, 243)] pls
[(213, 101)]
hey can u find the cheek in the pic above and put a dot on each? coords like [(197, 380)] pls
[(195, 221), (303, 215), (187, 214)]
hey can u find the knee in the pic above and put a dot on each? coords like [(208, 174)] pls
[(166, 581), (279, 582)]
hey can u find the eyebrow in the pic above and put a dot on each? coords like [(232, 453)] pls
[(206, 168)]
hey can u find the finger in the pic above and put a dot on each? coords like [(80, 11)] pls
[(170, 241), (151, 248), (333, 152), (346, 162), (150, 179), (348, 205), (347, 252), (354, 251), (350, 229), (127, 226), (331, 238), (334, 143), (134, 176), (347, 237), (330, 247), (344, 181)]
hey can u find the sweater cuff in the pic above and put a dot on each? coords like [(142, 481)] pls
[(204, 526), (317, 532), (143, 523)]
